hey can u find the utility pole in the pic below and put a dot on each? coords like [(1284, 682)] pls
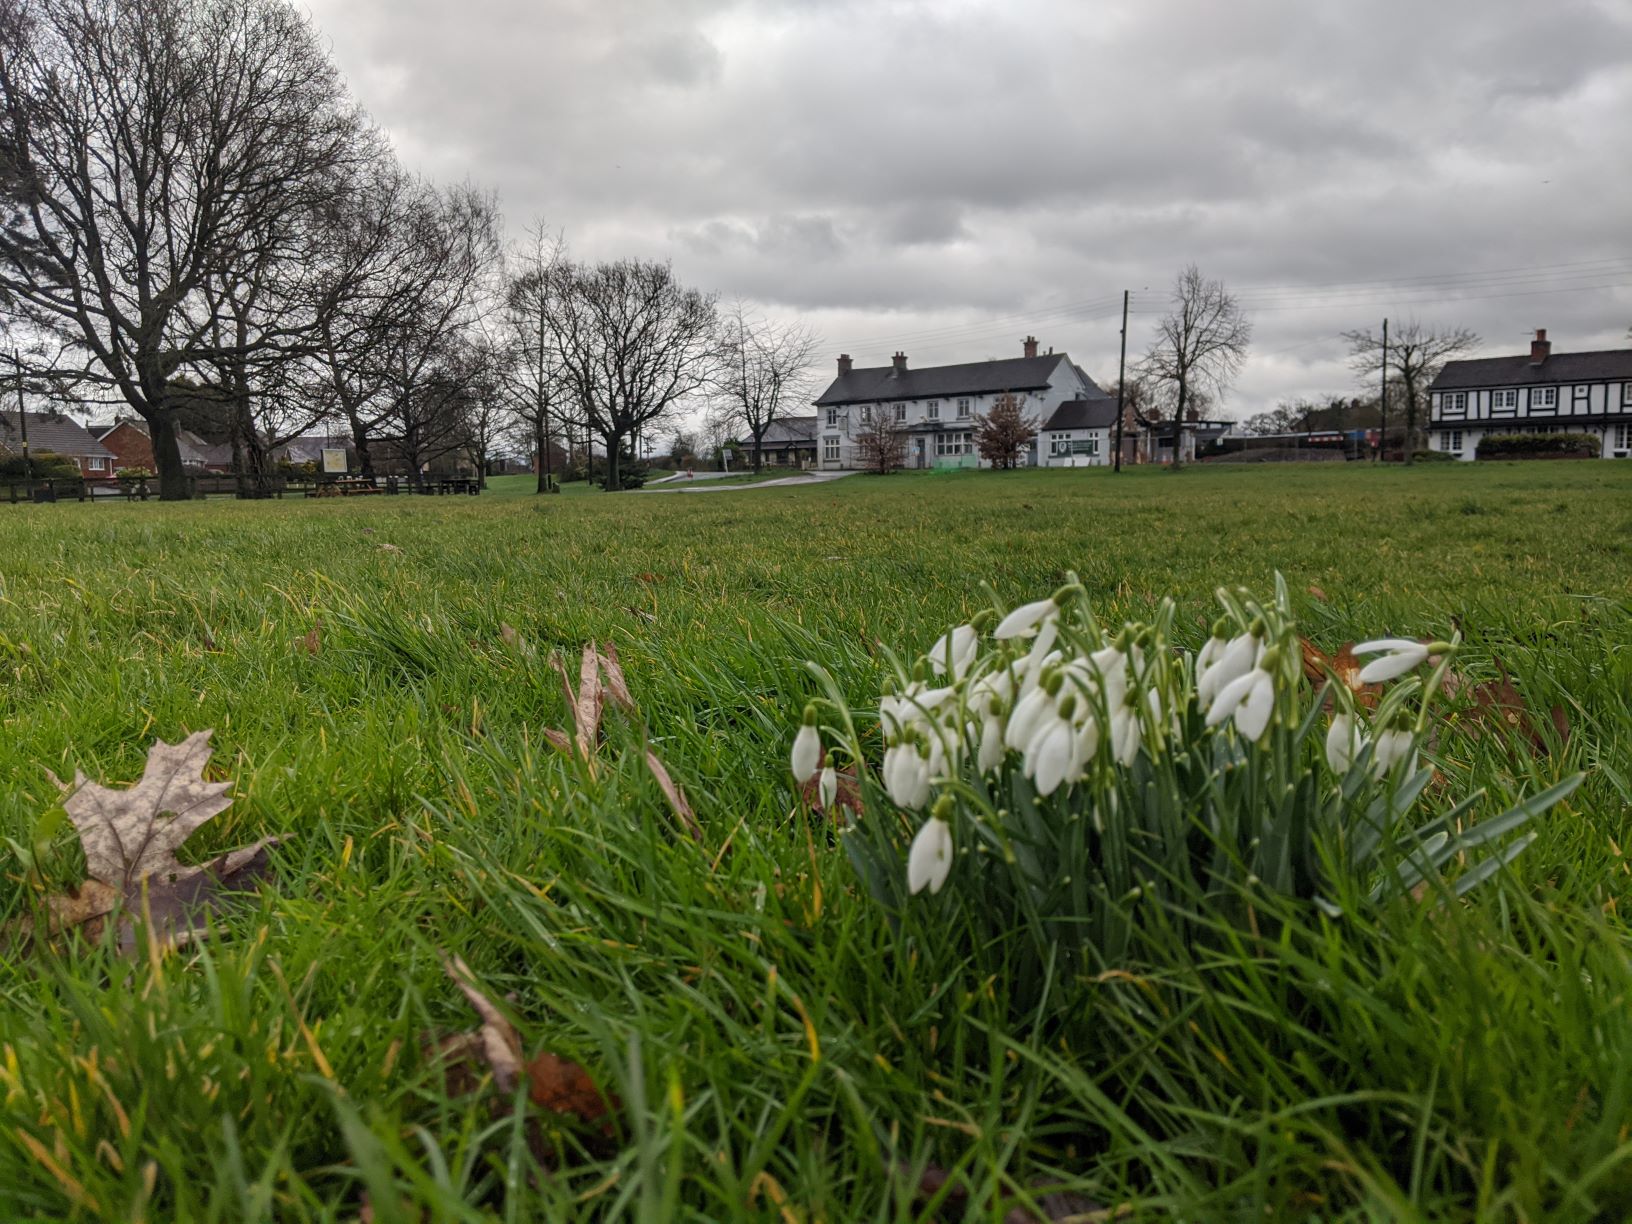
[(1121, 380), (1382, 400), (22, 416)]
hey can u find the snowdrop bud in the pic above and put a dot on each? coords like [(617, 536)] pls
[(1023, 619), (1051, 756), (828, 788), (1028, 711), (1234, 661), (1253, 714), (807, 748), (1399, 655), (954, 651), (1125, 735), (906, 776), (992, 748), (1343, 742), (929, 861)]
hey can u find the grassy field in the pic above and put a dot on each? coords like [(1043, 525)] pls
[(780, 1051)]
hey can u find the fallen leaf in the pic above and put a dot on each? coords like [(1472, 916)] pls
[(389, 548), (675, 796), (555, 1084), (508, 635), (1344, 667), (586, 714), (648, 577), (617, 687), (1498, 703), (1316, 593), (131, 836), (312, 642)]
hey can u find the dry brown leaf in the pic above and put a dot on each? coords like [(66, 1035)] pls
[(586, 712), (131, 837), (312, 642), (558, 739), (1344, 667), (389, 548), (554, 1084), (1316, 593), (508, 635), (617, 687), (1497, 703), (675, 796)]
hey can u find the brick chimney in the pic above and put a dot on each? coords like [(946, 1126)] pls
[(845, 364), (1540, 347), (1030, 346), (900, 363)]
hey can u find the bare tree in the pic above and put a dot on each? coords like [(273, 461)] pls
[(1416, 354), (881, 443), (1199, 347), (533, 384), (151, 144), (762, 368), (1003, 434), (633, 343)]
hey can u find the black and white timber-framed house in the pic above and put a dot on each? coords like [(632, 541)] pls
[(938, 407), (1545, 392)]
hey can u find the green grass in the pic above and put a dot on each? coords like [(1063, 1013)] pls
[(774, 1040)]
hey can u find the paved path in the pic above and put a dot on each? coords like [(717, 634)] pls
[(804, 478)]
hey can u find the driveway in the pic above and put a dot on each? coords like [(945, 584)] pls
[(804, 478)]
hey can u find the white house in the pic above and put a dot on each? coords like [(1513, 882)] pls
[(1079, 434), (938, 407), (1543, 393)]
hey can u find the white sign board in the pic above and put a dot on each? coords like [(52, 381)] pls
[(334, 461)]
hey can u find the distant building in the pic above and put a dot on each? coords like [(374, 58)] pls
[(937, 407), (57, 434), (1080, 433), (1541, 393), (788, 442), (128, 439)]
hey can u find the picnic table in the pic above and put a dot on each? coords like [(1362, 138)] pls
[(343, 486)]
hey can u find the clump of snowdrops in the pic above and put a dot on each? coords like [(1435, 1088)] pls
[(1040, 771)]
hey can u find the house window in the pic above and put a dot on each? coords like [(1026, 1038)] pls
[(96, 465), (952, 444), (1544, 399), (1454, 403), (900, 413), (934, 410), (1626, 394), (1504, 401), (830, 450), (832, 417), (1453, 441), (866, 414), (963, 408), (1623, 438)]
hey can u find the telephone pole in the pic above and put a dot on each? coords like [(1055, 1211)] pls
[(1121, 380), (1382, 400), (22, 416)]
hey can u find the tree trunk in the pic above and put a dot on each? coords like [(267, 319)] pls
[(359, 440), (614, 453), (1178, 425), (167, 456)]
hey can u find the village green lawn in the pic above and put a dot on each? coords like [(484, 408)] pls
[(780, 1052)]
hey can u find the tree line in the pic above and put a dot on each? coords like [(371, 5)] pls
[(198, 216)]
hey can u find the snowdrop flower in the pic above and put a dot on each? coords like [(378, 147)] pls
[(1235, 659), (954, 651), (992, 748), (1052, 754), (807, 748), (1028, 713), (828, 788), (1400, 655), (930, 860), (1343, 742), (906, 776), (1250, 698), (1125, 734), (1391, 747), (1025, 618)]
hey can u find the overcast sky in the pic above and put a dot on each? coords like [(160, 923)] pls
[(944, 177)]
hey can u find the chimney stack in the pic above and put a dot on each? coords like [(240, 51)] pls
[(844, 364), (1540, 347), (900, 363), (1031, 346)]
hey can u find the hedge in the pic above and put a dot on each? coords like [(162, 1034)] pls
[(1496, 445)]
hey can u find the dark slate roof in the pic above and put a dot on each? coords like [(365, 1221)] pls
[(942, 382), (50, 431), (1609, 365), (1083, 414), (786, 431)]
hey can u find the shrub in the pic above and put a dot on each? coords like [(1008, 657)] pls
[(1085, 785), (41, 465), (133, 475), (1432, 456), (1494, 446)]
